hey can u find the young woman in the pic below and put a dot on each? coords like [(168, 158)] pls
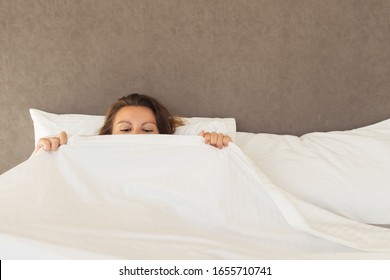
[(136, 114)]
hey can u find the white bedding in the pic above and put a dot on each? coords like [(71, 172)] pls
[(165, 197)]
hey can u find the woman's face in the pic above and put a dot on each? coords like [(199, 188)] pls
[(135, 120)]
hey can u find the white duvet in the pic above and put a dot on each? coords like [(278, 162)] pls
[(165, 197)]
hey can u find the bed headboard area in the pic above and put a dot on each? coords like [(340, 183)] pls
[(284, 67)]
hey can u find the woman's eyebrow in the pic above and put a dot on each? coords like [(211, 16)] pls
[(128, 122), (124, 122)]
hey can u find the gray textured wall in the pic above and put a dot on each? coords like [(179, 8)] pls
[(278, 66)]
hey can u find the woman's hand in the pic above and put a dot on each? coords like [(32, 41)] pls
[(52, 143), (218, 140)]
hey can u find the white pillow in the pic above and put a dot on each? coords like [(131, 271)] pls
[(49, 124), (346, 172)]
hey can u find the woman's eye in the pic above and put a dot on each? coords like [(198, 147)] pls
[(148, 130), (126, 130)]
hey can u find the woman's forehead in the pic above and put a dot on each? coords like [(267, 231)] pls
[(135, 113)]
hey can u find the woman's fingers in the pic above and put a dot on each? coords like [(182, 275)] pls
[(218, 140), (206, 136), (45, 144), (226, 140), (63, 137), (52, 143)]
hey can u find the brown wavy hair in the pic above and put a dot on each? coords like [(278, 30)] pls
[(166, 122)]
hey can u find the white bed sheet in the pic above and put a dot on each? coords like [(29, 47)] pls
[(165, 197)]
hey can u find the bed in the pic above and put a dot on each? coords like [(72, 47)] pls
[(266, 196), (302, 87)]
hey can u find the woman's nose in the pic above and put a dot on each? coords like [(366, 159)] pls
[(136, 131)]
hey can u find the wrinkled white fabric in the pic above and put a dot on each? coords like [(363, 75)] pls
[(164, 197)]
